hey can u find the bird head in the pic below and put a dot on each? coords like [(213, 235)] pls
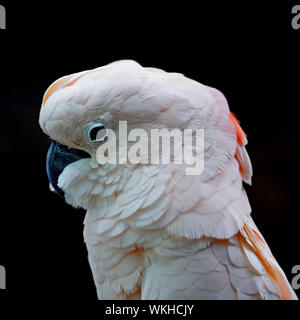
[(80, 110)]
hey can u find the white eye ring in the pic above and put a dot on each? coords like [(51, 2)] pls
[(95, 134)]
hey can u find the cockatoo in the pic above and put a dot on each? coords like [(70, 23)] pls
[(151, 230)]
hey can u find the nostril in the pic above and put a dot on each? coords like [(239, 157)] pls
[(71, 152)]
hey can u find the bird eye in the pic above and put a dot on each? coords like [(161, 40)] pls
[(96, 134)]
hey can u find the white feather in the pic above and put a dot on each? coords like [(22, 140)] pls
[(152, 227)]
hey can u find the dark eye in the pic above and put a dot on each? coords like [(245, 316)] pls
[(96, 134)]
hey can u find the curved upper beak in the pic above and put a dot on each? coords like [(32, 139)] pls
[(58, 157)]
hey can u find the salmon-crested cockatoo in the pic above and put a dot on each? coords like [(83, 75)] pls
[(151, 230)]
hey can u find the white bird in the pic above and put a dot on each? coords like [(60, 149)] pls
[(153, 232)]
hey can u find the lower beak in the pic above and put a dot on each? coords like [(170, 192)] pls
[(58, 157)]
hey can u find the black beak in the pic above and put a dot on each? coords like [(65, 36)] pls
[(58, 157)]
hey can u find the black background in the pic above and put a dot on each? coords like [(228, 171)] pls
[(248, 51)]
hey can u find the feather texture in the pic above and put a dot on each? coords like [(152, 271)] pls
[(153, 232)]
